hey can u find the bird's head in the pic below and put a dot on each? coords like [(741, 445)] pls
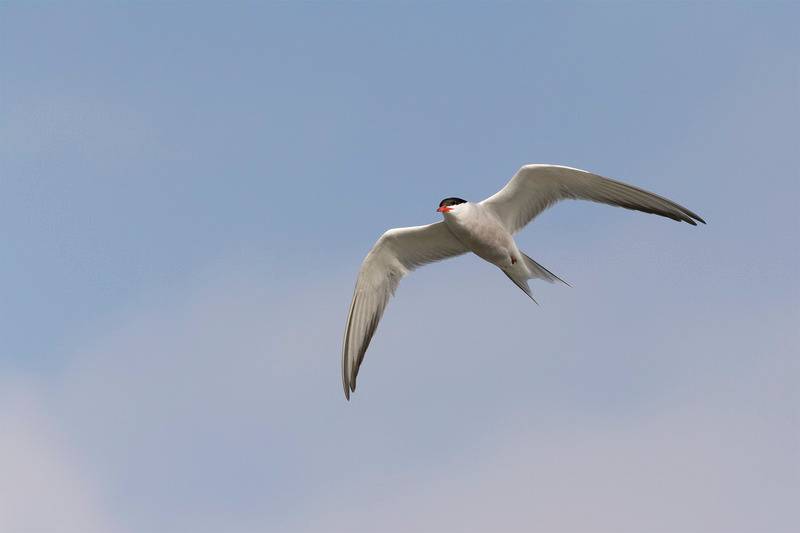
[(449, 204)]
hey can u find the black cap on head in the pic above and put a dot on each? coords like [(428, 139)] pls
[(447, 202)]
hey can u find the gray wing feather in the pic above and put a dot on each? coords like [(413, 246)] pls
[(534, 188), (395, 254)]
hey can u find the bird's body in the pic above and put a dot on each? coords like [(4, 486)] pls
[(482, 233), (486, 229)]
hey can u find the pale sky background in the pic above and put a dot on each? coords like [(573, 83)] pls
[(187, 191)]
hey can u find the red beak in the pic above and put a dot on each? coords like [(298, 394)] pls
[(444, 209)]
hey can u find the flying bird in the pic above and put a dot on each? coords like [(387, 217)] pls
[(486, 229)]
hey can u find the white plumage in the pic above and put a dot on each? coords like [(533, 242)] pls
[(486, 229)]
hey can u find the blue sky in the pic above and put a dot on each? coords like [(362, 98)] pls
[(187, 191)]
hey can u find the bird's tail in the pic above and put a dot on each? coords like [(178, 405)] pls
[(532, 270), (521, 282), (540, 272)]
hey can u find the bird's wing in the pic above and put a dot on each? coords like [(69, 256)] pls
[(397, 252), (534, 188)]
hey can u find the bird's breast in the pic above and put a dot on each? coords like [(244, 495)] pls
[(483, 234)]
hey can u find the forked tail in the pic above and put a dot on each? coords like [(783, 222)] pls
[(540, 272), (533, 270)]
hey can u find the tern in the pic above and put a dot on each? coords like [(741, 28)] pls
[(486, 229)]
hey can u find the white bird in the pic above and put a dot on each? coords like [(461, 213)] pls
[(486, 229)]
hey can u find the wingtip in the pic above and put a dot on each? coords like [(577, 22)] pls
[(346, 386), (693, 218), (349, 386)]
